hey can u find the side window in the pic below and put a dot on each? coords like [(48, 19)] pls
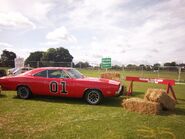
[(53, 74), (41, 74), (64, 75), (57, 74)]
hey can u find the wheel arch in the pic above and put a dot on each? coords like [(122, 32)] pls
[(23, 85), (88, 89), (25, 94)]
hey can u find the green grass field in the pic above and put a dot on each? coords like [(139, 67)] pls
[(51, 117)]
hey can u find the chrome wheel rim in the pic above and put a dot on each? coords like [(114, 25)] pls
[(93, 97), (23, 92)]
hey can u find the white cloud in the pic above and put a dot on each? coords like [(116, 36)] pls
[(93, 13), (23, 52), (15, 20), (5, 45), (129, 31), (34, 10), (60, 35)]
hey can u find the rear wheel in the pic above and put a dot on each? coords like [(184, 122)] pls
[(93, 97), (23, 92)]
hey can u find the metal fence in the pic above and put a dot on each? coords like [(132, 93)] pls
[(177, 72), (36, 64)]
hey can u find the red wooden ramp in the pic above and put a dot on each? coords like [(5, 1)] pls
[(167, 82)]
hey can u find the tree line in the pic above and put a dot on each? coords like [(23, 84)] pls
[(52, 57), (61, 57), (166, 66)]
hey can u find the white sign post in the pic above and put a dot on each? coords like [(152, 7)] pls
[(19, 62)]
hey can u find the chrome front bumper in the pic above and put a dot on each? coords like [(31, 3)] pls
[(120, 91)]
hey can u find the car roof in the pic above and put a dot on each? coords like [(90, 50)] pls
[(36, 70), (48, 68)]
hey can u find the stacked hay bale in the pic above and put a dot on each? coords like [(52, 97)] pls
[(111, 75), (161, 97), (155, 100), (141, 106)]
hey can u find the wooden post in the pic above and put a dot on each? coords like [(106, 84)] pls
[(170, 88), (130, 89)]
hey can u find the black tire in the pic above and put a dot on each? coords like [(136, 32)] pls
[(93, 97), (23, 92)]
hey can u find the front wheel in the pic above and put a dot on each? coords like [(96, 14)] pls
[(23, 92), (93, 97)]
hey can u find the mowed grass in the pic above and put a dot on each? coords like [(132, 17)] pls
[(55, 117)]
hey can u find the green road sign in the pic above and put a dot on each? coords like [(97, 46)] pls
[(106, 63)]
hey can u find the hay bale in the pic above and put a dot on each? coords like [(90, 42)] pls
[(111, 75), (160, 96), (141, 106)]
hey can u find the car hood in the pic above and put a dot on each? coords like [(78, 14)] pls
[(6, 77), (102, 80)]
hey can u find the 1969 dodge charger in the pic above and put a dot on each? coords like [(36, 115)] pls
[(60, 81)]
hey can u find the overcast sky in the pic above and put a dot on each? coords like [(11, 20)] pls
[(128, 31)]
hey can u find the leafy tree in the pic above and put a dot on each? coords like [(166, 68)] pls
[(182, 65), (142, 66), (57, 57), (116, 67), (49, 55), (167, 64), (148, 67), (82, 65), (170, 64), (131, 66), (156, 66), (7, 58), (34, 58), (173, 64), (52, 57)]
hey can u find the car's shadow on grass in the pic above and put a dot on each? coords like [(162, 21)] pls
[(112, 102), (109, 102), (2, 96), (54, 99)]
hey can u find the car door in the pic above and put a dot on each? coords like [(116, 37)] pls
[(60, 83), (66, 85), (40, 83), (54, 82)]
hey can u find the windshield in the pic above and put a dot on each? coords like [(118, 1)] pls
[(73, 73)]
